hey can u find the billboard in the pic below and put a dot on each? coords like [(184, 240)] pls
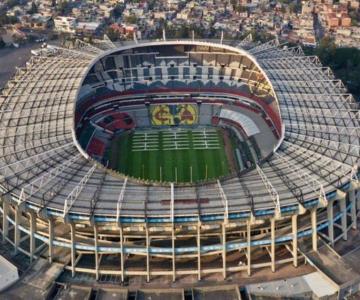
[(174, 114)]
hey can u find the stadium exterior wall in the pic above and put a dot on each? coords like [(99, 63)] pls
[(20, 224)]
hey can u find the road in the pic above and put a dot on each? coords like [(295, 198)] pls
[(10, 58), (319, 30)]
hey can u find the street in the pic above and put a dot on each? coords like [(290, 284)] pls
[(10, 58)]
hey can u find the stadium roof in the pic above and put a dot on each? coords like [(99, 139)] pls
[(43, 167)]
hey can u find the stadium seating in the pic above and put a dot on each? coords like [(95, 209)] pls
[(86, 134), (245, 122), (96, 148), (114, 121)]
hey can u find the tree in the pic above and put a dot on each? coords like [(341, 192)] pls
[(132, 19), (354, 15), (12, 3), (4, 19), (33, 9), (260, 35), (112, 34), (64, 7), (345, 62), (118, 10), (294, 7), (326, 50)]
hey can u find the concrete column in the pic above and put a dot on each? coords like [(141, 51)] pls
[(224, 249), (272, 223), (199, 250), (164, 35), (295, 239), (314, 229), (122, 254), (16, 229), (32, 235), (51, 239), (147, 254), (330, 217), (73, 251), (343, 218), (248, 233), (173, 254), (96, 252), (353, 209), (6, 207)]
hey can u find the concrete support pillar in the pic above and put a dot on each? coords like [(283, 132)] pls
[(32, 234), (173, 254), (147, 254), (294, 219), (96, 252), (164, 35), (122, 254), (272, 225), (5, 221), (330, 217), (199, 250), (314, 229), (51, 239), (224, 249), (16, 229), (353, 209), (248, 234), (73, 250), (343, 218)]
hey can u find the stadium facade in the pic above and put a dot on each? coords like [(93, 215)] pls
[(59, 195)]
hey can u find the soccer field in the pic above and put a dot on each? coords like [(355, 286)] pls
[(173, 155)]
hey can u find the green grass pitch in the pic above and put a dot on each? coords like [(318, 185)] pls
[(170, 155)]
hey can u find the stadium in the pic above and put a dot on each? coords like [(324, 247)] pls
[(172, 158)]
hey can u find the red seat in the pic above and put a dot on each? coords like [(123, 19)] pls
[(96, 147)]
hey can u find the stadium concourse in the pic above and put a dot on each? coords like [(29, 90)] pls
[(293, 128)]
